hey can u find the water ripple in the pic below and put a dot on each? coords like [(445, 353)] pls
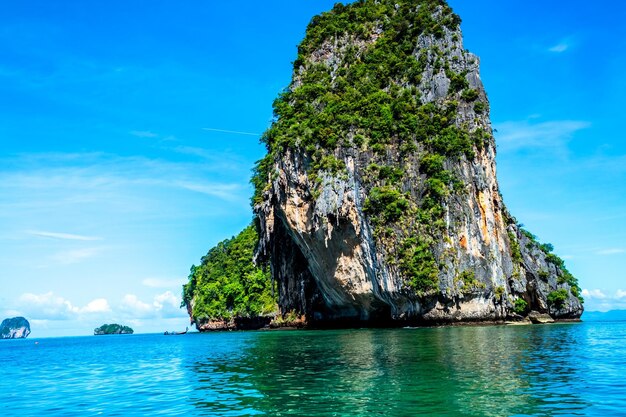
[(461, 371)]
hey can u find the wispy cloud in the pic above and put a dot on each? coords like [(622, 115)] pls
[(559, 48), (66, 178), (61, 236), (229, 192), (143, 134), (74, 256), (610, 251), (563, 45), (598, 300), (234, 132), (531, 135)]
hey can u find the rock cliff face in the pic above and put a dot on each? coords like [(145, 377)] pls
[(378, 199), (14, 328)]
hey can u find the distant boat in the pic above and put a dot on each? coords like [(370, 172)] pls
[(176, 333)]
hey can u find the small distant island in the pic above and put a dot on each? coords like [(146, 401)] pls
[(14, 328), (112, 329)]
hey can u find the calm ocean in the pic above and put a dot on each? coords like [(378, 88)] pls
[(563, 369)]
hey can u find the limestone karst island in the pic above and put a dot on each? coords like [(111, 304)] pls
[(377, 202), (14, 328)]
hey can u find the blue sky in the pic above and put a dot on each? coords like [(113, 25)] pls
[(116, 175)]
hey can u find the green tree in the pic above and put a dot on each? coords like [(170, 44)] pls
[(227, 284)]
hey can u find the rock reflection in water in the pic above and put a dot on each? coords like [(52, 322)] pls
[(482, 371)]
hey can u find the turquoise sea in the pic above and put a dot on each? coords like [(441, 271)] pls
[(561, 369)]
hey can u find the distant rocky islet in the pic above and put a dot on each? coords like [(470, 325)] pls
[(114, 328), (14, 328)]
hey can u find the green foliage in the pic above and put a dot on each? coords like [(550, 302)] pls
[(418, 266), (546, 247), (363, 99), (260, 176), (499, 292), (521, 306), (370, 100), (554, 259), (469, 94), (227, 284), (458, 82), (529, 235), (387, 202), (544, 275), (468, 281), (558, 298), (386, 173), (358, 20), (516, 253), (563, 275), (113, 329), (479, 107)]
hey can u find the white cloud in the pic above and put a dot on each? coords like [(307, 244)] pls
[(597, 300), (596, 294), (168, 305), (135, 307), (52, 314), (163, 283), (524, 135), (46, 306), (61, 236), (165, 305), (99, 305), (49, 306), (611, 251)]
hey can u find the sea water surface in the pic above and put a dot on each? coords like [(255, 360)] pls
[(561, 369)]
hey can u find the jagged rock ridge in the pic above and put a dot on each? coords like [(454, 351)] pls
[(378, 199)]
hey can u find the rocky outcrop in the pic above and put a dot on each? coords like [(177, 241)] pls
[(540, 318), (392, 214), (237, 323), (14, 328)]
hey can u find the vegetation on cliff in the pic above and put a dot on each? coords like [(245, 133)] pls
[(227, 284), (389, 81), (370, 100)]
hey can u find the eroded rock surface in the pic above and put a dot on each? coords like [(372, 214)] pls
[(439, 244), (14, 328)]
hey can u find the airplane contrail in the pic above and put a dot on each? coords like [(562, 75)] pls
[(230, 131)]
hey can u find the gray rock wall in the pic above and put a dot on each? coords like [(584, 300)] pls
[(330, 265)]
